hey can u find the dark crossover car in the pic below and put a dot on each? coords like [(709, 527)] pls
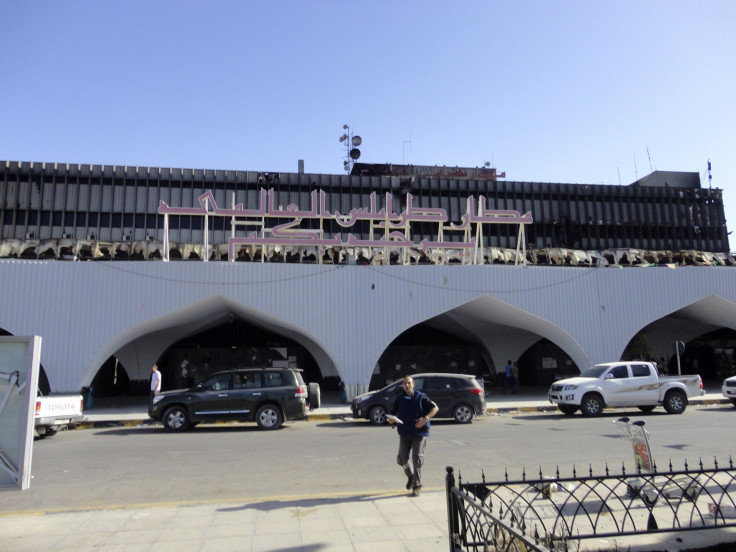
[(458, 396), (267, 396)]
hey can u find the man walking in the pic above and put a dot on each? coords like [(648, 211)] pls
[(412, 411)]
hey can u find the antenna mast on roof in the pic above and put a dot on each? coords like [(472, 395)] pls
[(636, 171), (352, 153), (403, 149)]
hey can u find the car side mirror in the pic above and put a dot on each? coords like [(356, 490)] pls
[(199, 387), (609, 375)]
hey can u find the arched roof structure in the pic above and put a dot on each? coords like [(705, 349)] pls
[(345, 316)]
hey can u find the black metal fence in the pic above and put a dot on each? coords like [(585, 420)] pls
[(548, 513)]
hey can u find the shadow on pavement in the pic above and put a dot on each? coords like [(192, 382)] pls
[(270, 505)]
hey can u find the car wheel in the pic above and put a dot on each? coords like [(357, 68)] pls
[(176, 418), (314, 396), (377, 415), (463, 414), (675, 402), (592, 405), (567, 409), (269, 417), (647, 408)]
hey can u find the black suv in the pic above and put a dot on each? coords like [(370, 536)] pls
[(458, 396), (267, 396)]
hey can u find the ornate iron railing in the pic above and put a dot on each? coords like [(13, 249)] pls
[(549, 512)]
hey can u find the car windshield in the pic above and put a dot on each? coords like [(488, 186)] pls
[(394, 387), (594, 372)]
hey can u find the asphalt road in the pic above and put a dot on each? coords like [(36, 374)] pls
[(96, 468)]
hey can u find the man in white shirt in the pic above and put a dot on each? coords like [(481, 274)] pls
[(155, 381)]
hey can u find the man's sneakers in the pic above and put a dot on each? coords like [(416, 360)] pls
[(410, 486)]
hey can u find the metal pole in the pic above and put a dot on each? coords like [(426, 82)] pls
[(451, 513)]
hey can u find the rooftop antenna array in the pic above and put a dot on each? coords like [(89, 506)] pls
[(352, 153), (403, 149)]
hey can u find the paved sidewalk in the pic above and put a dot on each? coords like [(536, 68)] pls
[(363, 523), (385, 522)]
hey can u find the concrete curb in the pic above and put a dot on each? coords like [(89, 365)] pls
[(325, 417)]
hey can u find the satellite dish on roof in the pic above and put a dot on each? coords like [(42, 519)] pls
[(354, 153), (357, 140)]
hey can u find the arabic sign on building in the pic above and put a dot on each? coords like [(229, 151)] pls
[(388, 231)]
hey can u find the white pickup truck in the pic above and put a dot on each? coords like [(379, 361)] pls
[(634, 383), (55, 411)]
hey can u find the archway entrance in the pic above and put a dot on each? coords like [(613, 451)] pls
[(544, 363), (234, 344), (422, 349), (189, 344), (712, 355)]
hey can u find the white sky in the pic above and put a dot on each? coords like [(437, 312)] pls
[(555, 91)]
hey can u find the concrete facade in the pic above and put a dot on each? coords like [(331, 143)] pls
[(346, 316)]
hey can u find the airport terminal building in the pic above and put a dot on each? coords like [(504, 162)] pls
[(359, 278)]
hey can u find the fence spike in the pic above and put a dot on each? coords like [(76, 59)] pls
[(715, 462), (590, 470), (623, 469), (686, 468), (483, 475), (557, 472), (730, 461), (506, 474), (574, 471), (523, 474), (670, 465), (701, 463)]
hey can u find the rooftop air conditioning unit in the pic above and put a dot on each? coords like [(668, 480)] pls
[(91, 236), (68, 236), (30, 235)]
